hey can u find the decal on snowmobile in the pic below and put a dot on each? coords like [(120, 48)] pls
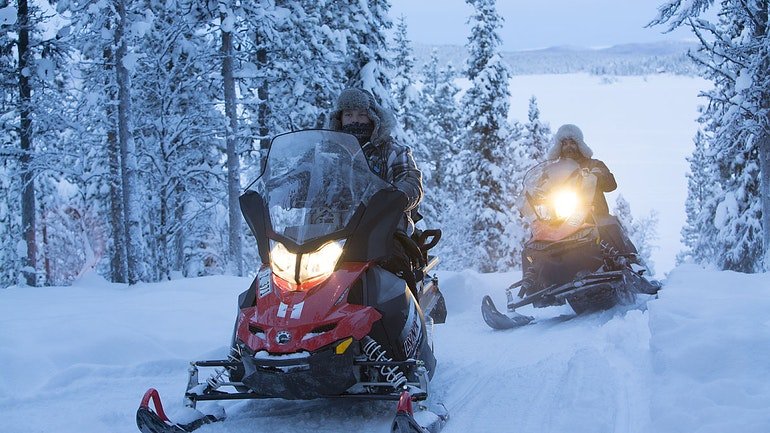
[(264, 281), (294, 311), (412, 330)]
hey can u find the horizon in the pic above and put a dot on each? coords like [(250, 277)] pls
[(535, 26)]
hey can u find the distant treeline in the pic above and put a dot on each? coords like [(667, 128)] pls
[(628, 59)]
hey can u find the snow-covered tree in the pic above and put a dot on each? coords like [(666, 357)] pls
[(368, 63), (735, 54), (441, 128), (642, 232), (536, 134), (406, 95), (699, 235), (32, 101), (180, 130), (530, 142), (486, 150)]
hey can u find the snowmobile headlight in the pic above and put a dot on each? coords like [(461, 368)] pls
[(320, 263), (313, 267), (565, 203), (283, 262)]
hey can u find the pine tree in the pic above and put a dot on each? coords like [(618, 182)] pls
[(536, 137), (439, 110), (181, 133), (485, 153), (642, 232), (735, 54), (32, 99), (530, 145), (699, 235), (408, 100), (368, 63)]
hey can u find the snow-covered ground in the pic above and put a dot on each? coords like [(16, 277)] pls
[(78, 359)]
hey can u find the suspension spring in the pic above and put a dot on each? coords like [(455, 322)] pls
[(375, 353), (215, 380), (610, 253)]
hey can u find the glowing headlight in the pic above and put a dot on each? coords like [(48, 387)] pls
[(565, 202), (320, 263), (283, 262), (313, 267)]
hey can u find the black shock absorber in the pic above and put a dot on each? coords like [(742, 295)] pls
[(375, 353)]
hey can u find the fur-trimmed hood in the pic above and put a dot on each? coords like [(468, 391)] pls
[(568, 131), (357, 98)]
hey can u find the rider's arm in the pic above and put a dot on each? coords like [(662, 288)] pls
[(404, 174), (604, 178)]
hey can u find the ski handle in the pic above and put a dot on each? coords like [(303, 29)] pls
[(152, 394)]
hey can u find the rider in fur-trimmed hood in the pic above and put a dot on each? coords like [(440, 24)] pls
[(569, 143), (358, 113)]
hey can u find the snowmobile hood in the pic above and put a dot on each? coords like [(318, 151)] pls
[(293, 321)]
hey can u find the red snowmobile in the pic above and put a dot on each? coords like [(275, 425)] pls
[(573, 255), (322, 319)]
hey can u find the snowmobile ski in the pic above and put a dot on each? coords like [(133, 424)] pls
[(497, 320), (150, 421), (432, 420)]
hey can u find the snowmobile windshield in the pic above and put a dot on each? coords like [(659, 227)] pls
[(314, 181), (556, 191)]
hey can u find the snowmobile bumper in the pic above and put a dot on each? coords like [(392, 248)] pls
[(320, 374)]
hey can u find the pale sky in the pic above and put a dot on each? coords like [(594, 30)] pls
[(532, 24)]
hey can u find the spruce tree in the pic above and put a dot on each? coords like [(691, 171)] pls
[(735, 54), (486, 151)]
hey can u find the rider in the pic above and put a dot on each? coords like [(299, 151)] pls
[(356, 112), (568, 143)]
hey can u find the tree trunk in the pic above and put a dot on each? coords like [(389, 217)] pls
[(25, 136), (118, 262), (128, 164), (763, 144), (764, 186), (233, 163), (264, 108), (179, 234)]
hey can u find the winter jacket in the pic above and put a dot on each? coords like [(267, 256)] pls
[(605, 181), (389, 159)]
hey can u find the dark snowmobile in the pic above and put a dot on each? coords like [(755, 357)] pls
[(322, 319), (573, 255)]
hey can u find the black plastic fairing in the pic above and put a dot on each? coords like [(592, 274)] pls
[(255, 213), (369, 234), (372, 237)]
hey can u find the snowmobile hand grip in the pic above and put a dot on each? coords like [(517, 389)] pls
[(433, 234)]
